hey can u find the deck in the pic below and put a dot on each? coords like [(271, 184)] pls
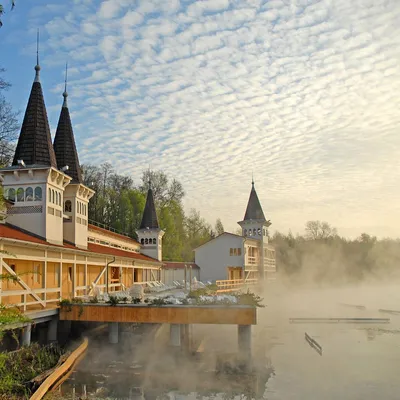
[(171, 314)]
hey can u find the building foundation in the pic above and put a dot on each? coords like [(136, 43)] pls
[(113, 328), (26, 335), (52, 331), (244, 344), (175, 335)]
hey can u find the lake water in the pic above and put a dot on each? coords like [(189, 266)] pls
[(358, 361)]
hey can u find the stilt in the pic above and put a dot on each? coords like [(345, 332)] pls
[(52, 331), (244, 344), (175, 335), (26, 335), (113, 332)]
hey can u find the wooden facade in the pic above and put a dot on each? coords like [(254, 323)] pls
[(38, 275)]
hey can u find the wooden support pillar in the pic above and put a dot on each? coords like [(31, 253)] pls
[(52, 331), (74, 277), (44, 277), (113, 328), (244, 344), (175, 335), (86, 277), (26, 335), (1, 272)]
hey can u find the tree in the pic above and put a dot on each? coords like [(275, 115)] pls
[(219, 228), (8, 125), (3, 12), (317, 230), (164, 191)]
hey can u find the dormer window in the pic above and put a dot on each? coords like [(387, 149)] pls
[(68, 206), (38, 193), (29, 194), (20, 194)]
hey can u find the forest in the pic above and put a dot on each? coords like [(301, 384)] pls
[(119, 203)]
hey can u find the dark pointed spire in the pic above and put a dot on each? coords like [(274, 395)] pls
[(64, 142), (149, 219), (254, 210), (34, 144)]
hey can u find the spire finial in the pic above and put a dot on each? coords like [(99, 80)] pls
[(37, 66), (252, 179), (65, 94), (149, 177)]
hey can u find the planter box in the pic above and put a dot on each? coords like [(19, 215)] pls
[(169, 314)]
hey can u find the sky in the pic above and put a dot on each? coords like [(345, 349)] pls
[(303, 94)]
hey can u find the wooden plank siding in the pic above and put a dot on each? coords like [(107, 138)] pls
[(234, 315), (52, 274)]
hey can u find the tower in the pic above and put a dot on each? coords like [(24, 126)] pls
[(76, 195), (149, 233), (255, 226), (32, 182)]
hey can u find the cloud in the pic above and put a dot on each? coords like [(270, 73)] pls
[(304, 94)]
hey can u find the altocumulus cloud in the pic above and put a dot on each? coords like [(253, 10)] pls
[(304, 93)]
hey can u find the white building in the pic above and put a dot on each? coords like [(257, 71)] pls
[(245, 257)]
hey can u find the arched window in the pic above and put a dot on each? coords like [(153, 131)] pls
[(146, 241), (245, 232), (68, 206), (20, 194), (249, 232), (142, 241), (11, 194), (154, 241), (53, 196), (59, 198), (259, 231), (29, 194), (38, 193), (49, 195), (254, 232)]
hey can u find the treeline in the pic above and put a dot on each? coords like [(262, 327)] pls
[(119, 203), (321, 256)]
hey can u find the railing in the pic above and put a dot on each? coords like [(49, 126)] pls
[(25, 294), (107, 227), (232, 285), (252, 260)]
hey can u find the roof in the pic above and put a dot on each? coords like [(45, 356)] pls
[(34, 143), (65, 147), (114, 234), (254, 210), (97, 248), (149, 219), (179, 265), (12, 232), (217, 237)]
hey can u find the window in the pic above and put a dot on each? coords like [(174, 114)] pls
[(239, 252), (29, 194), (142, 241), (57, 275), (146, 241), (49, 195), (249, 232), (68, 206), (154, 241), (231, 251), (235, 252), (36, 274), (259, 231), (11, 194), (254, 232), (20, 194), (53, 196), (38, 193), (59, 198)]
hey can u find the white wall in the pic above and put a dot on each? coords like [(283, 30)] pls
[(213, 257)]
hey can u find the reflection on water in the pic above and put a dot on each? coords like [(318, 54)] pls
[(358, 361)]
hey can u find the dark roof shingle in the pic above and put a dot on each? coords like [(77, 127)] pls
[(34, 143), (149, 219), (254, 209), (65, 147)]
